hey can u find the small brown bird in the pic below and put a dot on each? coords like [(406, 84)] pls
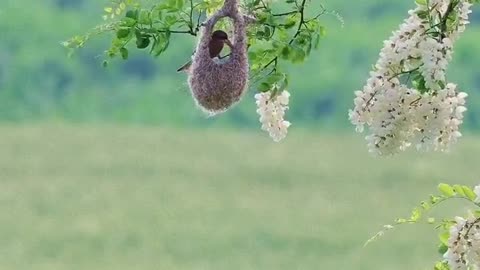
[(217, 42)]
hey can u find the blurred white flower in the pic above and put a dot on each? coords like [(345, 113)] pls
[(464, 244), (397, 115), (272, 113)]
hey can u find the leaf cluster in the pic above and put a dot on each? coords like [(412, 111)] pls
[(283, 32), (420, 213)]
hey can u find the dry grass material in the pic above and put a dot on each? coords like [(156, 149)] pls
[(217, 85)]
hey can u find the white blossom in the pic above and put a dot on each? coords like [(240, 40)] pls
[(464, 244), (272, 113), (438, 118), (464, 9), (436, 56), (426, 114)]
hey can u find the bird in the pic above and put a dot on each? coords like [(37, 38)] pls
[(217, 42)]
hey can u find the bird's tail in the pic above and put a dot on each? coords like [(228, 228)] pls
[(185, 67)]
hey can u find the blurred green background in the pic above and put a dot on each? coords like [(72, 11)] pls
[(116, 169)]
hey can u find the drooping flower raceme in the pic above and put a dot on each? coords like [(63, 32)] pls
[(464, 244), (438, 117), (271, 109), (464, 241), (407, 99)]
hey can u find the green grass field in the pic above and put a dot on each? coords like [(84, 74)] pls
[(104, 198)]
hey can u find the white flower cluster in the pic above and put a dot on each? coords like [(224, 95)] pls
[(272, 112), (464, 244), (398, 115), (403, 116)]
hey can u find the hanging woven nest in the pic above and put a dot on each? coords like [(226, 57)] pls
[(217, 85)]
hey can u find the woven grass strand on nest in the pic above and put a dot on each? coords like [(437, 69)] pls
[(217, 85)]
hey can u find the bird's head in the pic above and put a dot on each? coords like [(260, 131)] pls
[(220, 35)]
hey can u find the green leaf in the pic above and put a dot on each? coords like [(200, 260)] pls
[(124, 53), (275, 77), (425, 205), (132, 14), (285, 52), (291, 22), (446, 190), (252, 56), (400, 221), (123, 33), (443, 237), (442, 248), (416, 214), (142, 42), (264, 87), (160, 44), (144, 17), (421, 2), (128, 22), (434, 199), (459, 190), (267, 32), (298, 55), (423, 14), (469, 193), (419, 82), (441, 266), (260, 34), (179, 4)]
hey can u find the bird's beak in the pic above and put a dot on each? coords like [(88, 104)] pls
[(229, 43)]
